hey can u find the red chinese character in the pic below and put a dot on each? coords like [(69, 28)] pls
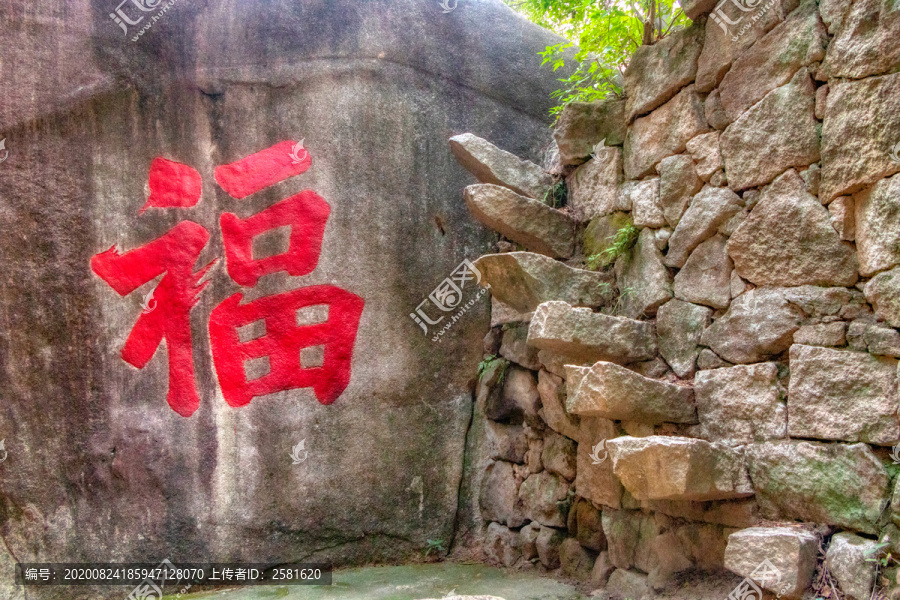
[(263, 169), (174, 254), (306, 214), (283, 342)]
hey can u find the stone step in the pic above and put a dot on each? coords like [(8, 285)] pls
[(490, 164), (525, 221), (678, 468), (524, 280), (756, 551), (613, 392), (584, 336)]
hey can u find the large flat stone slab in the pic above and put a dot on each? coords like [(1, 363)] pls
[(759, 324), (741, 404), (613, 392), (788, 240), (588, 336), (859, 132), (490, 164), (774, 59), (664, 132), (583, 125), (656, 72), (524, 280), (838, 484), (843, 395), (790, 550), (674, 468), (528, 222), (775, 134)]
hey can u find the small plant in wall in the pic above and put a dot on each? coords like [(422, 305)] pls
[(882, 560), (557, 195), (485, 365), (435, 546), (620, 244)]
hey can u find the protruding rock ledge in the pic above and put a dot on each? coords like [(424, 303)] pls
[(676, 468), (490, 164), (586, 336), (613, 392), (524, 280)]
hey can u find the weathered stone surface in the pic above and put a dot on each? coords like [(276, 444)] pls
[(515, 398), (515, 349), (883, 291), (775, 134), (730, 513), (812, 177), (679, 326), (678, 182), (774, 59), (502, 313), (589, 526), (584, 335), (643, 197), (602, 570), (528, 536), (851, 559), (788, 240), (740, 405), (883, 341), (600, 232), (865, 41), (541, 496), (694, 469), (792, 551), (844, 485), (490, 164), (576, 561), (505, 442), (613, 392), (523, 280), (594, 186), (843, 218), (858, 134), (877, 226), (822, 334), (738, 285), (715, 114), (704, 149), (502, 545), (643, 273), (630, 584), (759, 324), (582, 125), (706, 276), (528, 222), (629, 535), (818, 302), (663, 132), (559, 455), (708, 210), (548, 542), (499, 500), (710, 360), (721, 47), (553, 400), (656, 72), (842, 395), (697, 8)]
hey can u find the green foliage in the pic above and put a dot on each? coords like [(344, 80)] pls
[(557, 195), (606, 33), (623, 241), (876, 555), (486, 364), (436, 546)]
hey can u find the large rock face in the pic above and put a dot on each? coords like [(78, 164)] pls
[(370, 88)]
